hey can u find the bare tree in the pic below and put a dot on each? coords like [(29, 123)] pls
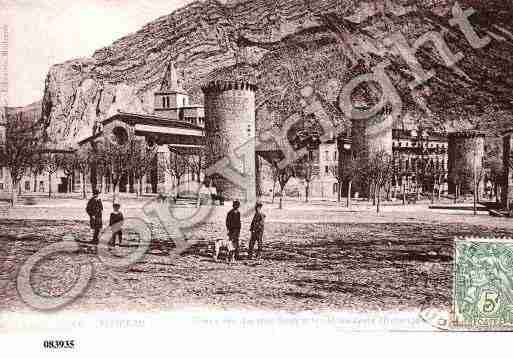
[(349, 169), (283, 176), (143, 154), (435, 175), (68, 165), (274, 178), (18, 152), (197, 163), (37, 168), (420, 170), (176, 165), (379, 169), (304, 170), (53, 161), (116, 157), (84, 160)]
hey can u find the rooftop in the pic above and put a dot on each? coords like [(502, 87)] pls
[(134, 118)]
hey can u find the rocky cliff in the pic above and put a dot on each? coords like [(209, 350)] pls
[(291, 44)]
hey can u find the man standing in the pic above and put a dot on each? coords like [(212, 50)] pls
[(94, 210), (233, 226), (257, 231)]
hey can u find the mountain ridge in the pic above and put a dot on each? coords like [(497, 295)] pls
[(291, 44)]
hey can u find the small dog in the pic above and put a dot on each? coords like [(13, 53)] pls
[(226, 244)]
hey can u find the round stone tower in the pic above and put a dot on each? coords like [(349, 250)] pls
[(372, 135), (230, 132), (465, 160), (368, 137)]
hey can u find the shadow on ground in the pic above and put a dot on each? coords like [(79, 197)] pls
[(303, 267)]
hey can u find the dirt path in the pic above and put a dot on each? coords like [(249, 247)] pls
[(364, 266)]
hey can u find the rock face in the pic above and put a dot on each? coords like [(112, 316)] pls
[(301, 50)]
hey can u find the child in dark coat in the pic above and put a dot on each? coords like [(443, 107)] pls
[(257, 231), (116, 217)]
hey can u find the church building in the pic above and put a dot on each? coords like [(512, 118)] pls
[(176, 126)]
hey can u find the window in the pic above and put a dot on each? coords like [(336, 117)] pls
[(41, 186), (163, 102), (335, 188), (27, 185), (120, 134), (326, 155), (326, 170), (335, 155), (1, 186)]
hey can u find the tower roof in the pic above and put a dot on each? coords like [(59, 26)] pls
[(170, 82), (243, 75)]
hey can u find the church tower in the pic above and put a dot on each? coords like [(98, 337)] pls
[(171, 97), (172, 101)]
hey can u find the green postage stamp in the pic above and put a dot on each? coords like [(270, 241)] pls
[(483, 284)]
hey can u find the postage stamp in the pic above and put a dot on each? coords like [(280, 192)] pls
[(483, 284)]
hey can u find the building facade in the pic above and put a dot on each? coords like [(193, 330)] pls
[(410, 150), (176, 127)]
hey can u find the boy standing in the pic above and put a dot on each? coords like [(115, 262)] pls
[(94, 210), (233, 226), (116, 217), (257, 231)]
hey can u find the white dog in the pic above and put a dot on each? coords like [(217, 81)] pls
[(226, 244)]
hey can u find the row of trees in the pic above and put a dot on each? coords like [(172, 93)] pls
[(21, 149), (25, 151), (379, 175)]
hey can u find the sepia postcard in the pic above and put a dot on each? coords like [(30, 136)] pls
[(220, 175)]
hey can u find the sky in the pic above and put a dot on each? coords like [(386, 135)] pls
[(47, 32)]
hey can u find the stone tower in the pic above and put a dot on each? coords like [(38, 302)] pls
[(230, 132), (372, 135), (465, 160), (368, 137), (171, 96)]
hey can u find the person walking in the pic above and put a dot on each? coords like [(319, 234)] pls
[(233, 226), (94, 209), (257, 231)]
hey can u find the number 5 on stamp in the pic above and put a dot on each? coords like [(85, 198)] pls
[(483, 284)]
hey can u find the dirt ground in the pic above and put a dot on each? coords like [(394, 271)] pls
[(305, 266)]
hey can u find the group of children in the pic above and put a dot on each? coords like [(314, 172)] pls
[(233, 224), (95, 210)]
